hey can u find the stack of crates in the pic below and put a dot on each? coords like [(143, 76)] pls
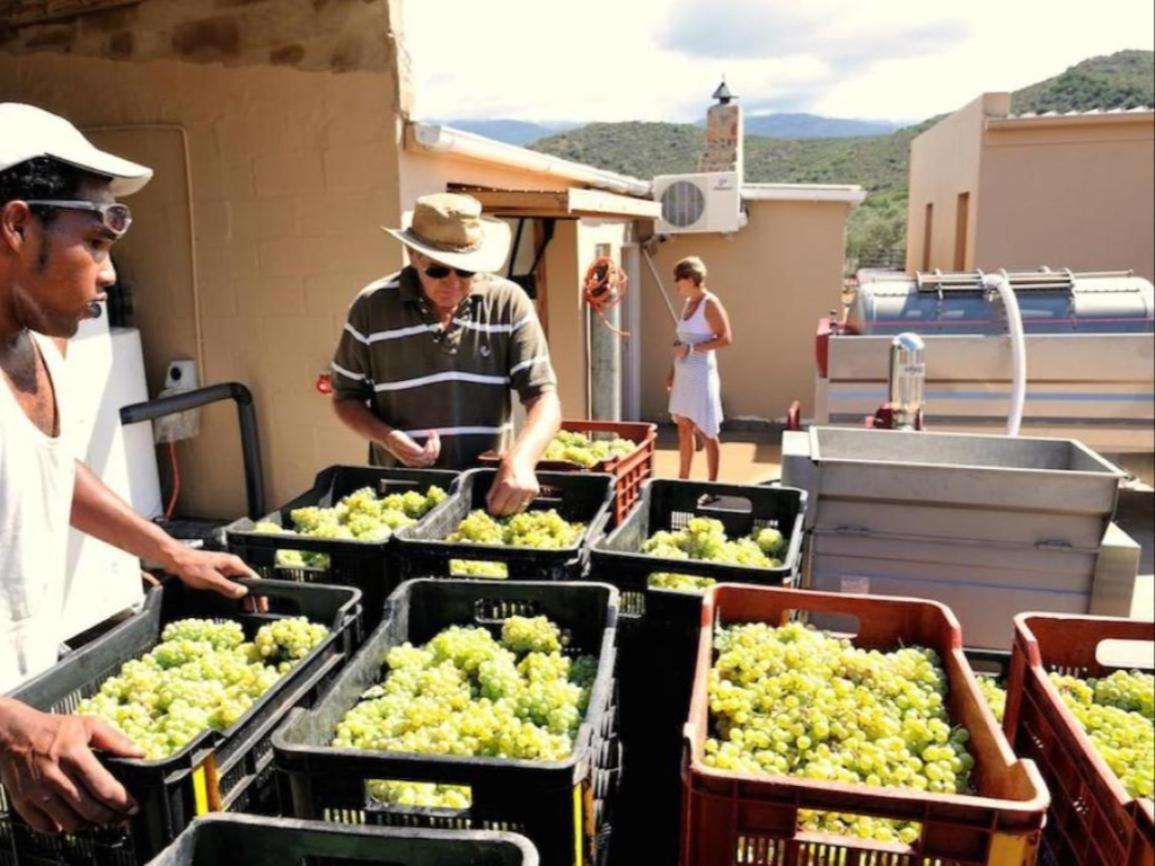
[(227, 770), (659, 632), (239, 840), (736, 818), (370, 566), (1092, 819), (564, 807), (422, 550)]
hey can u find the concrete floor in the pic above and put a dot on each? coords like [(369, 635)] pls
[(751, 458)]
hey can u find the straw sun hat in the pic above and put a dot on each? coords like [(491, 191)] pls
[(449, 228)]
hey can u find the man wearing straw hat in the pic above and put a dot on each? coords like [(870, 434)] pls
[(428, 356)]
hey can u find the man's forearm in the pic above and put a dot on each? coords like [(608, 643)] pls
[(541, 424), (99, 512), (360, 419)]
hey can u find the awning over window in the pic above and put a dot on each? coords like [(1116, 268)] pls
[(563, 204)]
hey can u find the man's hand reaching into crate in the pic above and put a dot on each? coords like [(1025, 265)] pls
[(51, 775)]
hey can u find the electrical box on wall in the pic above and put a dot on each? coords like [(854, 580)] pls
[(180, 376)]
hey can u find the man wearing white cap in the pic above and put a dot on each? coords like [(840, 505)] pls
[(59, 218), (429, 355)]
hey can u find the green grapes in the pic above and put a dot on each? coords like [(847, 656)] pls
[(705, 539), (574, 447), (360, 516), (478, 568), (795, 701), (467, 693), (541, 529), (995, 695), (1118, 714), (201, 675)]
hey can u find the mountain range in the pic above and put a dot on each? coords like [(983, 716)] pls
[(774, 125), (880, 163)]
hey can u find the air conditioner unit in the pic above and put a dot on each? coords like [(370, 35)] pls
[(708, 202)]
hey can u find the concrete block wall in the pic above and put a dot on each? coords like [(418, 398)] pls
[(291, 173)]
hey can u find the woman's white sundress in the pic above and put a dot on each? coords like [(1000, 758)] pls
[(697, 391)]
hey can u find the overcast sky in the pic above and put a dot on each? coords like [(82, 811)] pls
[(586, 60)]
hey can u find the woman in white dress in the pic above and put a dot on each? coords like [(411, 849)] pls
[(693, 383)]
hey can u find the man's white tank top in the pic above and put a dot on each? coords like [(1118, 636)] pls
[(37, 480)]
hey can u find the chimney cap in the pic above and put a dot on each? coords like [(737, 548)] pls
[(723, 94)]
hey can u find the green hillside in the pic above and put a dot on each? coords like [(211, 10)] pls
[(879, 163)]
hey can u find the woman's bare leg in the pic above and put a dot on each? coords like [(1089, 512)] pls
[(713, 455), (685, 447)]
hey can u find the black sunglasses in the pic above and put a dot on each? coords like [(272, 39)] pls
[(440, 272)]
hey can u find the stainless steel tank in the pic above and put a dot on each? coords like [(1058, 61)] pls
[(1052, 302)]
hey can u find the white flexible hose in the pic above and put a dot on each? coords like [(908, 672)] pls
[(661, 288), (1001, 283)]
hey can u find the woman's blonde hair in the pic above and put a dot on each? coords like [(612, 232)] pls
[(692, 268)]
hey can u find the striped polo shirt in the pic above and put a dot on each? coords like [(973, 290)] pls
[(416, 377)]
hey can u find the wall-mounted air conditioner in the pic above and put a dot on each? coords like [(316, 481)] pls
[(709, 202)]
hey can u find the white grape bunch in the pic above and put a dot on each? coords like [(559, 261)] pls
[(541, 529), (1118, 714), (798, 702), (468, 693), (995, 696), (704, 538), (360, 516), (574, 447), (202, 675)]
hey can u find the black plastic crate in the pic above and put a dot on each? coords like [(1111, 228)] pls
[(229, 769), (242, 840), (578, 497), (367, 565), (659, 630), (563, 807)]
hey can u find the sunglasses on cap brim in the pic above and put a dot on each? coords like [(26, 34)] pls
[(440, 272), (114, 216)]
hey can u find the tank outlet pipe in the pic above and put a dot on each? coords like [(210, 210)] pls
[(1001, 284), (246, 416), (907, 379)]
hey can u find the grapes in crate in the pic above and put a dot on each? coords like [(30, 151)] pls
[(795, 701), (468, 693), (705, 539), (360, 516), (545, 530), (1118, 714), (571, 446), (202, 675), (995, 695)]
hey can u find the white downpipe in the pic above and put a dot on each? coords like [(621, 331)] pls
[(1001, 283), (658, 283)]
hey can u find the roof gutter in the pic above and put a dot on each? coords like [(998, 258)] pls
[(435, 138), (1090, 118), (851, 194)]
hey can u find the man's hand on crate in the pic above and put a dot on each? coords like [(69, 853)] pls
[(52, 777), (514, 487), (209, 570)]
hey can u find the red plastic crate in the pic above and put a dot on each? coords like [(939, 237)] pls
[(735, 819), (629, 472), (1093, 821)]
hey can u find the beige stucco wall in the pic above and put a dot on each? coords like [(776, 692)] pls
[(776, 278), (1069, 196), (291, 172), (944, 162)]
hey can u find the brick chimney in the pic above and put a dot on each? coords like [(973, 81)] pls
[(724, 132)]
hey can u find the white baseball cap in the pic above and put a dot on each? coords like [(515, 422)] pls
[(28, 132)]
